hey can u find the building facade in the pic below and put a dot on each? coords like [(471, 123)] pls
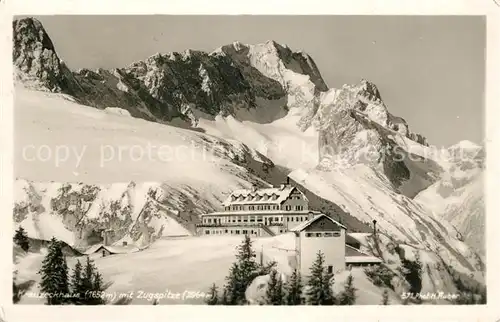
[(320, 234), (258, 212)]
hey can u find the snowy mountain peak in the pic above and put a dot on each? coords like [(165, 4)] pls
[(365, 90), (238, 45), (465, 144)]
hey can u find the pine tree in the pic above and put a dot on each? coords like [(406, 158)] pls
[(348, 296), (21, 239), (16, 296), (328, 280), (482, 297), (274, 292), (248, 267), (320, 284), (234, 290), (213, 295), (54, 271), (412, 271), (77, 284), (87, 283), (223, 299), (16, 292), (385, 297), (91, 285), (294, 289), (242, 273), (98, 287), (465, 298)]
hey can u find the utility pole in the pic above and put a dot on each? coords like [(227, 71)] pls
[(261, 255)]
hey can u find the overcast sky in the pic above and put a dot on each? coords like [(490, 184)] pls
[(430, 70)]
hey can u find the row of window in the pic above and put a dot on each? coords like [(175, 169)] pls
[(253, 219), (234, 231), (324, 234), (263, 207), (298, 207), (254, 232), (230, 231)]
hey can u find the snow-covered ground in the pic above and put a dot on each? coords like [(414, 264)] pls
[(177, 264), (191, 264)]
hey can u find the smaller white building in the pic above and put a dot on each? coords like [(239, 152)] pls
[(321, 233), (102, 250)]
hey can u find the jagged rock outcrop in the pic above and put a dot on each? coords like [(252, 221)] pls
[(355, 127), (167, 86), (36, 59), (77, 213)]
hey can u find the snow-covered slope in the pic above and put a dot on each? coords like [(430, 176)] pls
[(80, 169), (458, 197), (375, 169)]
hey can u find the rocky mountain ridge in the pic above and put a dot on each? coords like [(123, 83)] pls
[(192, 84)]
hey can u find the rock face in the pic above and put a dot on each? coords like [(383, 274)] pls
[(36, 58), (79, 213), (355, 127), (165, 86)]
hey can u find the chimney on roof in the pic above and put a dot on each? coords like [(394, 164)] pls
[(105, 237), (254, 188), (310, 215), (124, 243), (374, 227)]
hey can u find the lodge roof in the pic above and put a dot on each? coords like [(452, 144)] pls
[(353, 255), (306, 224), (274, 195)]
